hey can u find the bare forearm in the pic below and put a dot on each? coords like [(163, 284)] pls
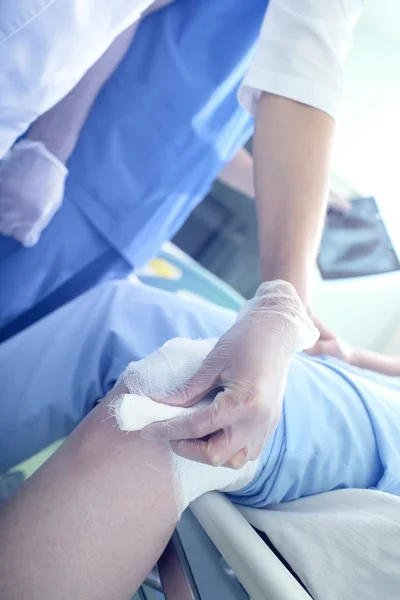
[(387, 365), (292, 151)]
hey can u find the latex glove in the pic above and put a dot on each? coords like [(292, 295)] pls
[(31, 191), (330, 344), (250, 363)]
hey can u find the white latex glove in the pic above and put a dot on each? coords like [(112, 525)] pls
[(163, 370), (250, 363), (31, 191)]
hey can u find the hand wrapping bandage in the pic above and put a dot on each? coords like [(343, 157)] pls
[(249, 364), (165, 369), (169, 367)]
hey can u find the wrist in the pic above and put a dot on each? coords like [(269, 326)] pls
[(298, 278)]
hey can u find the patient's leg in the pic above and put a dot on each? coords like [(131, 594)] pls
[(93, 521), (53, 373)]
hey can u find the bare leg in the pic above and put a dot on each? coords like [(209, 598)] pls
[(93, 521), (100, 512)]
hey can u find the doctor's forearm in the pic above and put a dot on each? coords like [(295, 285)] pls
[(292, 151)]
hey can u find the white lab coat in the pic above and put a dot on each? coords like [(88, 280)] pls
[(46, 46)]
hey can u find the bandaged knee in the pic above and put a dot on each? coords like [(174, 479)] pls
[(167, 368)]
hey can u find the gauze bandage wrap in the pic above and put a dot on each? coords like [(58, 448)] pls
[(168, 367), (31, 191), (250, 362)]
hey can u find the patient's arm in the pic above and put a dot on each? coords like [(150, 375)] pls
[(330, 344), (387, 365)]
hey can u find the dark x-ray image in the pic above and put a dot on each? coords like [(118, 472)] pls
[(356, 243)]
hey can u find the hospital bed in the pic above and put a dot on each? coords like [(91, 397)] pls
[(215, 553)]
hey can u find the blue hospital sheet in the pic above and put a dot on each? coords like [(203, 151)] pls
[(54, 372), (340, 427)]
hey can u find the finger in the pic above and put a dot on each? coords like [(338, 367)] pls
[(241, 458), (238, 460), (216, 451), (194, 390), (25, 234), (220, 413), (251, 451), (321, 348)]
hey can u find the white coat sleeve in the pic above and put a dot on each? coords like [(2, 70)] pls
[(46, 46), (301, 51)]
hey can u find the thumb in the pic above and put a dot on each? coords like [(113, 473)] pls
[(194, 390)]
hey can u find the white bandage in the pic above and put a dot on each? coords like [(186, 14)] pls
[(134, 412), (167, 368)]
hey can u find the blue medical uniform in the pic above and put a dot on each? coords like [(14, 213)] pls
[(340, 427), (160, 131)]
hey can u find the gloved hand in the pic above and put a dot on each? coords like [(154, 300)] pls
[(129, 402), (248, 367), (31, 191)]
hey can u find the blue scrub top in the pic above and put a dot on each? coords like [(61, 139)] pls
[(158, 134), (165, 123)]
